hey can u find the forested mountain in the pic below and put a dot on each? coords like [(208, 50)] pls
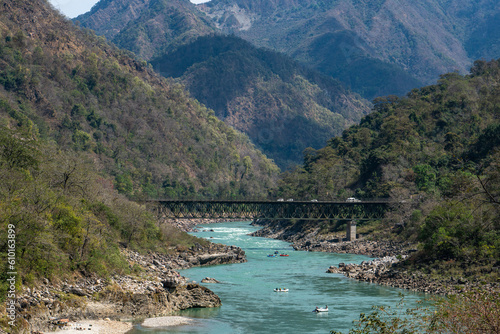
[(147, 27), (375, 47), (435, 154), (417, 143), (281, 105), (141, 129)]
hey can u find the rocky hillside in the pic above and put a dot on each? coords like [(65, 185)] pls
[(282, 106), (369, 44), (146, 27)]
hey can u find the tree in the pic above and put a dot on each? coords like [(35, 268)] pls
[(425, 177), (18, 148), (388, 320), (471, 312), (247, 164)]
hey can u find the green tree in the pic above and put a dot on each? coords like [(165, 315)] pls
[(425, 177)]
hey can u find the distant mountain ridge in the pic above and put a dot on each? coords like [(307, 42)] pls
[(375, 48), (412, 40), (282, 106)]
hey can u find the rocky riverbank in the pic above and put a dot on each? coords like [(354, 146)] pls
[(390, 271), (306, 239), (154, 289), (371, 248), (189, 225)]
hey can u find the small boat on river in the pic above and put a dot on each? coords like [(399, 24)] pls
[(280, 290), (318, 309), (271, 255), (284, 255)]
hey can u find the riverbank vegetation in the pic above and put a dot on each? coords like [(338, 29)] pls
[(473, 312), (66, 216), (435, 156)]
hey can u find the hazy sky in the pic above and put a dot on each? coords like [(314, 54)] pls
[(73, 8)]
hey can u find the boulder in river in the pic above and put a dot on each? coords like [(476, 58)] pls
[(209, 280)]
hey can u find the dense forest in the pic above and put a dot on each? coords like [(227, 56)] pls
[(143, 131), (283, 106), (435, 155)]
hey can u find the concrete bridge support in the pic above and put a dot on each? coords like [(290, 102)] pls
[(351, 231)]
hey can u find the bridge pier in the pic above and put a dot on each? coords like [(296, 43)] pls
[(351, 231)]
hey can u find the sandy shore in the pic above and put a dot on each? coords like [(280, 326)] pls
[(95, 326), (166, 321)]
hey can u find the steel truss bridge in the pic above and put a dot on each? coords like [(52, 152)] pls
[(226, 209)]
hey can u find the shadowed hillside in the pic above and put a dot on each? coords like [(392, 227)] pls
[(282, 106)]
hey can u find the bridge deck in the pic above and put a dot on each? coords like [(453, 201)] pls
[(265, 209)]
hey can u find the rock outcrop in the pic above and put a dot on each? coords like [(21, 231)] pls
[(157, 290), (209, 280)]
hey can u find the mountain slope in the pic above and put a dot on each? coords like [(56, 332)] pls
[(140, 129), (444, 127), (282, 106), (146, 27), (415, 41)]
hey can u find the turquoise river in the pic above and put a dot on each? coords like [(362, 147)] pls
[(249, 304)]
